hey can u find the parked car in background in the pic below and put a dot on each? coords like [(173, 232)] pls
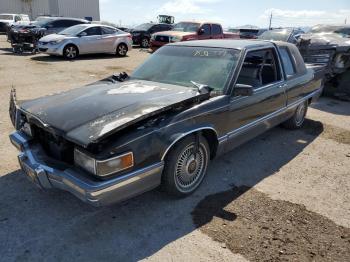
[(50, 25), (141, 34), (290, 35), (246, 33), (328, 45), (86, 39), (187, 104), (7, 20), (186, 31)]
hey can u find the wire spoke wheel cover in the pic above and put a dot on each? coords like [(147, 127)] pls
[(300, 114), (190, 167)]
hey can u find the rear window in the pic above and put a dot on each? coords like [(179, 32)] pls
[(288, 65), (6, 17), (216, 30), (108, 30)]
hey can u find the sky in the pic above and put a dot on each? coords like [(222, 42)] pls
[(230, 13)]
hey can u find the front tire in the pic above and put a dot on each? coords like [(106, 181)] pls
[(70, 52), (297, 120), (185, 167), (145, 42), (122, 50)]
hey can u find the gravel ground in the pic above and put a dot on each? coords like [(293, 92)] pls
[(305, 170)]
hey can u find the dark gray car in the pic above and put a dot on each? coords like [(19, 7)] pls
[(187, 104)]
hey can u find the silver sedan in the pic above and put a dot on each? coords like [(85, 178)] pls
[(86, 39)]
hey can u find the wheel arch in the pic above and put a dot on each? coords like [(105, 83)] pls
[(209, 133), (68, 44)]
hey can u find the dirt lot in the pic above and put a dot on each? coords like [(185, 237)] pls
[(284, 196)]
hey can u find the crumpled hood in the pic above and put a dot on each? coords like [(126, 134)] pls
[(53, 37), (175, 33), (325, 40), (88, 114)]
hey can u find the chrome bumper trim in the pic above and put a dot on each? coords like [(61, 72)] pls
[(97, 193)]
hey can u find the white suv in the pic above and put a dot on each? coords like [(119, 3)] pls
[(12, 19)]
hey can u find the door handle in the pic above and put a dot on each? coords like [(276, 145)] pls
[(283, 86)]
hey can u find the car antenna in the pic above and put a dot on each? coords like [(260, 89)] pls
[(202, 89)]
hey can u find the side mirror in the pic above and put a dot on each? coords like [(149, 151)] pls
[(243, 90), (201, 31), (82, 34)]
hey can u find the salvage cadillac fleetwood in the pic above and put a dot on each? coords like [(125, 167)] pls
[(188, 103)]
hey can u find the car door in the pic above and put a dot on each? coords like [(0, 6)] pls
[(216, 31), (90, 41), (248, 115), (109, 39), (204, 32)]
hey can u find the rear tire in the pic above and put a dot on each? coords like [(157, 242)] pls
[(70, 52), (122, 50), (184, 171), (297, 120)]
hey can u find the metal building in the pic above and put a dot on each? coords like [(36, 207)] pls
[(69, 8)]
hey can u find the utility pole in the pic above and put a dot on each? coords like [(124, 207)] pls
[(270, 22), (345, 20)]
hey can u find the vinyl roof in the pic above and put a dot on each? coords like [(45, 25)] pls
[(227, 43)]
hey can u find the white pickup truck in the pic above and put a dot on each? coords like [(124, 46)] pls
[(12, 19)]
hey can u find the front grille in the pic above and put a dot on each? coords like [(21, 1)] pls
[(161, 38), (43, 49), (53, 145)]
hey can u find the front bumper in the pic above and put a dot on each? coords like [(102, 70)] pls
[(92, 191), (157, 44), (51, 49)]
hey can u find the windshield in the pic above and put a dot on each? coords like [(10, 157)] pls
[(276, 35), (6, 17), (144, 26), (186, 27), (72, 31), (179, 65)]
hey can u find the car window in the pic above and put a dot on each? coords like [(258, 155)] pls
[(206, 29), (154, 29), (57, 23), (17, 18), (259, 69), (288, 65), (96, 30), (216, 30), (25, 18), (108, 30)]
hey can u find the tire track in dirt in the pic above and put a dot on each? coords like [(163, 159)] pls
[(250, 223)]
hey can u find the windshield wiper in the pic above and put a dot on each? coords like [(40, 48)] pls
[(202, 89)]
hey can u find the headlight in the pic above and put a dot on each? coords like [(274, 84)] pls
[(175, 39), (104, 167), (84, 161), (153, 37), (26, 128), (56, 42)]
